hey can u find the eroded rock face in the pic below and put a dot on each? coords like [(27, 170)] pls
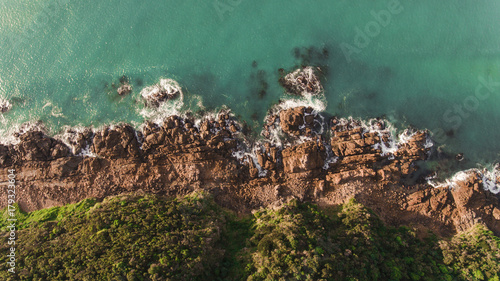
[(458, 208), (291, 120), (181, 155), (36, 146), (303, 158), (5, 155), (117, 142)]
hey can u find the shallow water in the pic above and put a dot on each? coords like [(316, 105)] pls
[(421, 67)]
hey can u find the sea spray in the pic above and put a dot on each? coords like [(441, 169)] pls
[(489, 178), (78, 139), (5, 106), (11, 136), (303, 82), (163, 100), (390, 140)]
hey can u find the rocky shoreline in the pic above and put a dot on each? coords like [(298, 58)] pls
[(302, 156)]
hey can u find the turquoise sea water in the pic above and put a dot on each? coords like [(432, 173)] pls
[(427, 64)]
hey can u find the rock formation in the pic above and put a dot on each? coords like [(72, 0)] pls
[(157, 94), (5, 105), (325, 166), (124, 89), (302, 81)]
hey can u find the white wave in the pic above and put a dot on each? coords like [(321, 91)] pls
[(318, 105), (5, 106), (87, 152), (330, 157), (167, 108), (490, 181), (166, 88), (243, 156), (488, 177), (302, 78), (11, 135), (454, 180), (69, 136)]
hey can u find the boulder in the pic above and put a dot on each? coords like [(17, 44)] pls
[(304, 157), (155, 95), (291, 120), (124, 89), (302, 81), (36, 146), (118, 142)]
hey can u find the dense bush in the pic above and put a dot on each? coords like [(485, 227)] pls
[(125, 238), (299, 242), (475, 254), (192, 238)]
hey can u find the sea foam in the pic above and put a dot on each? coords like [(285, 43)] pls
[(488, 177)]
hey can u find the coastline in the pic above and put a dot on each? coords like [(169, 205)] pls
[(301, 156)]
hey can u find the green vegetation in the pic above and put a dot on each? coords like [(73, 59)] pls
[(192, 238), (125, 238), (25, 220), (475, 254), (299, 242)]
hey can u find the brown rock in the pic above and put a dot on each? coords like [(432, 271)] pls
[(304, 157), (118, 142), (291, 119)]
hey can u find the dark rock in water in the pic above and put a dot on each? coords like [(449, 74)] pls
[(311, 55), (296, 52), (302, 81), (139, 82), (124, 79), (124, 89), (254, 64), (167, 89), (259, 83), (5, 106), (262, 94), (459, 157)]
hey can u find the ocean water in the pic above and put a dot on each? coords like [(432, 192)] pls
[(431, 65)]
